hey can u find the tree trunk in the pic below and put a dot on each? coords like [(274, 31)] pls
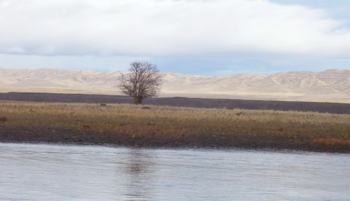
[(138, 100)]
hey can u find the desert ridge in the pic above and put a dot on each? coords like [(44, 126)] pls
[(324, 86)]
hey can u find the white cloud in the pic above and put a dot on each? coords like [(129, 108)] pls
[(167, 27)]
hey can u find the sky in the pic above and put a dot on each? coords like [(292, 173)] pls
[(209, 37)]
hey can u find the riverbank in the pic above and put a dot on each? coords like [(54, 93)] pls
[(160, 126)]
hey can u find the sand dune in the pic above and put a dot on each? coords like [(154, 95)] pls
[(329, 85)]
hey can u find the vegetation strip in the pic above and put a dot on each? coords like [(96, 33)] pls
[(160, 126)]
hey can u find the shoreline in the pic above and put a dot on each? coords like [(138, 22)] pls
[(273, 148), (173, 127), (179, 147), (224, 149)]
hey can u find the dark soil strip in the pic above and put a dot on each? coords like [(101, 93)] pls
[(336, 108)]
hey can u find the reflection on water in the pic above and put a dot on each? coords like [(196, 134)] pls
[(138, 171), (86, 173)]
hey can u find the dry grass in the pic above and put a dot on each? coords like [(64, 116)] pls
[(176, 126)]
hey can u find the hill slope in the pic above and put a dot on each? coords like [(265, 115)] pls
[(329, 85)]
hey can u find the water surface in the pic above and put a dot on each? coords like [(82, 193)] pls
[(56, 173)]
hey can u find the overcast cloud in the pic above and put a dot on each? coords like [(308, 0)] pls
[(168, 27)]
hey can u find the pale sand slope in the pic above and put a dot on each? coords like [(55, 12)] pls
[(329, 85)]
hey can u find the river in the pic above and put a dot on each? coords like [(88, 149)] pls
[(84, 173)]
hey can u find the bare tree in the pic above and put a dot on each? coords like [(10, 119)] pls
[(142, 81)]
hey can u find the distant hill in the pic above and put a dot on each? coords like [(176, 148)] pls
[(325, 86)]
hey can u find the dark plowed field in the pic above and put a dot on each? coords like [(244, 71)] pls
[(337, 108)]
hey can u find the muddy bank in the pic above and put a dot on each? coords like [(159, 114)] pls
[(67, 136)]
